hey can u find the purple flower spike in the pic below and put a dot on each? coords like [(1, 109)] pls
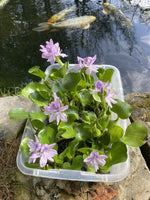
[(109, 96), (95, 159), (34, 156), (34, 146), (86, 62), (55, 110), (50, 51), (99, 87), (80, 65), (47, 153)]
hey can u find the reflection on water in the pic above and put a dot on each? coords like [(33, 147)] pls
[(109, 40)]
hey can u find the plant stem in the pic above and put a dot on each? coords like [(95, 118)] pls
[(59, 61)]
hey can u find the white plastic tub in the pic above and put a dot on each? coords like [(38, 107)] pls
[(117, 173)]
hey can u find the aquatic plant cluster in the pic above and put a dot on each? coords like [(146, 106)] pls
[(74, 128)]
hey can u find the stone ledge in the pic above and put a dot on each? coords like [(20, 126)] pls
[(9, 129), (140, 103)]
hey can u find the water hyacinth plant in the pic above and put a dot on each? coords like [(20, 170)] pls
[(74, 128)]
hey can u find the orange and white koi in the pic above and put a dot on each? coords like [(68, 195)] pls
[(55, 18), (82, 22)]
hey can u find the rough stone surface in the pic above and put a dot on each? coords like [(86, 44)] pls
[(140, 103), (136, 186), (9, 129)]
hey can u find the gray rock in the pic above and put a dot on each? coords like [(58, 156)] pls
[(9, 129), (137, 184), (140, 103)]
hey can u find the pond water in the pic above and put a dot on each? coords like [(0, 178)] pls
[(114, 44)]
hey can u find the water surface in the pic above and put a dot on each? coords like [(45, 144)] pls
[(128, 50)]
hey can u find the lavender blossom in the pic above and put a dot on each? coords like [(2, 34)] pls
[(86, 62), (34, 146), (99, 87), (55, 110), (33, 157), (47, 153), (109, 97), (51, 50), (80, 65), (95, 159)]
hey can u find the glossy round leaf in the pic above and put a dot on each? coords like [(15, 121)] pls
[(71, 80), (37, 72), (18, 113), (135, 134), (116, 132), (122, 109), (47, 135)]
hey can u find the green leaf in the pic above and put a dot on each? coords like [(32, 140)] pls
[(38, 115), (68, 131), (72, 147), (85, 97), (32, 87), (57, 160), (37, 124), (37, 72), (105, 138), (118, 153), (107, 75), (90, 169), (69, 151), (88, 150), (44, 94), (66, 165), (81, 85), (89, 116), (83, 132), (97, 97), (54, 74), (135, 135), (104, 120), (25, 148), (38, 99), (72, 112), (57, 87), (100, 73), (18, 113), (116, 132), (33, 165), (47, 135), (71, 80), (122, 109), (77, 163)]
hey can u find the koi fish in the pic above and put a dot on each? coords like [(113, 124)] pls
[(60, 16), (117, 14), (77, 22), (57, 17)]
